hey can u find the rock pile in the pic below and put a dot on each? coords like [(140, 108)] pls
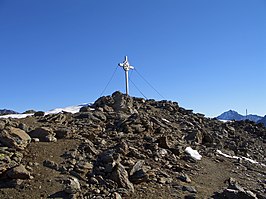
[(134, 148)]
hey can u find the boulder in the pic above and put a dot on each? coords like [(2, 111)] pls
[(45, 134), (18, 172), (235, 194), (120, 176), (234, 191), (72, 185), (118, 101), (122, 102), (14, 137), (138, 174)]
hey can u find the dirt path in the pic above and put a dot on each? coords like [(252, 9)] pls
[(45, 181), (212, 176)]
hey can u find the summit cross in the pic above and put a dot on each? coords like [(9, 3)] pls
[(126, 66)]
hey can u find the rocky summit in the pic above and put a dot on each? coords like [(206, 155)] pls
[(127, 147)]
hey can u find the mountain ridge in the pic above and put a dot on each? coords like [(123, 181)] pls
[(234, 115), (7, 112)]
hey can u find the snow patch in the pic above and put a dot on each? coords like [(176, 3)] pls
[(17, 116), (193, 153), (69, 109), (225, 121), (236, 157), (165, 120)]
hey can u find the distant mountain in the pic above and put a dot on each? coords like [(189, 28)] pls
[(263, 120), (7, 112), (230, 115), (254, 118), (69, 109), (233, 115)]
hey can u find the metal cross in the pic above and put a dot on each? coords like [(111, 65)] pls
[(126, 67)]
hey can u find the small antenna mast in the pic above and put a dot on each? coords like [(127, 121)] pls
[(126, 67)]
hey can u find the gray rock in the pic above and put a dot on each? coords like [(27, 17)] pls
[(121, 102), (18, 172), (190, 189), (184, 178), (235, 194), (235, 191), (233, 184), (138, 166), (137, 173), (14, 137), (72, 185), (45, 134), (120, 176), (51, 164)]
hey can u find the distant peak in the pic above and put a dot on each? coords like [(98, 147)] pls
[(234, 115)]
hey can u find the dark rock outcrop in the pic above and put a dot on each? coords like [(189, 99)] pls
[(7, 112)]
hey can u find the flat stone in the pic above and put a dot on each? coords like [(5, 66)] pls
[(50, 164), (18, 172), (190, 189), (137, 167)]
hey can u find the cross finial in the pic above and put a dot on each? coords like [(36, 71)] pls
[(125, 64)]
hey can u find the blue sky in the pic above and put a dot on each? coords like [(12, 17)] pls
[(208, 55)]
